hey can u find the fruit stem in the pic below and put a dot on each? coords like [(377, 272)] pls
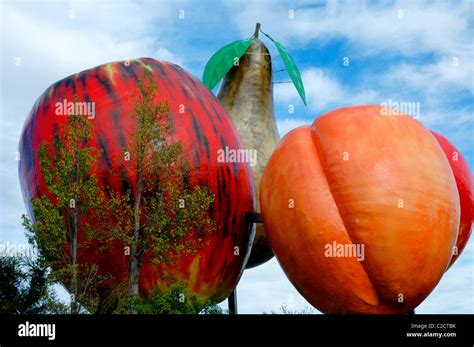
[(257, 29)]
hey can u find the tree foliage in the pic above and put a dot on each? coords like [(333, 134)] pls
[(24, 287), (176, 299), (73, 193), (162, 217)]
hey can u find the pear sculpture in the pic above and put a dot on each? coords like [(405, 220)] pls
[(246, 93)]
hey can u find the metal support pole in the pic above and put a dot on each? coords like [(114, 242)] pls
[(251, 218), (232, 302)]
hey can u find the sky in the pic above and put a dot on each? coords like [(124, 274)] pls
[(348, 53)]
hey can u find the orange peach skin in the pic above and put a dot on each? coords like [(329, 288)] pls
[(395, 194)]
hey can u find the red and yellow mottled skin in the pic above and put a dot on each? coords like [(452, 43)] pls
[(358, 177), (203, 128)]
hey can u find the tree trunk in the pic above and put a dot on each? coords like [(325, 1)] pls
[(134, 251), (74, 309), (75, 228)]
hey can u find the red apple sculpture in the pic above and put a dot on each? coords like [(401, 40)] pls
[(202, 126)]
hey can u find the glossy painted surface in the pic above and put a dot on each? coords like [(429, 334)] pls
[(246, 94), (465, 185), (356, 177), (203, 128)]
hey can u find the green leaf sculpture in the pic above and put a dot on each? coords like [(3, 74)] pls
[(290, 67), (221, 62)]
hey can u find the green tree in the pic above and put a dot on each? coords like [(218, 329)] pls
[(66, 166), (174, 300), (284, 309), (162, 216), (24, 287)]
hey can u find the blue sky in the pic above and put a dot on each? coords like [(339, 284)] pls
[(406, 51)]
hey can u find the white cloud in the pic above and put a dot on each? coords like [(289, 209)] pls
[(53, 49), (441, 30), (422, 26), (165, 54), (433, 80), (287, 124), (323, 91)]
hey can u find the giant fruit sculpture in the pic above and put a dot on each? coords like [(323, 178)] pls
[(246, 93), (203, 128), (465, 184), (361, 210)]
